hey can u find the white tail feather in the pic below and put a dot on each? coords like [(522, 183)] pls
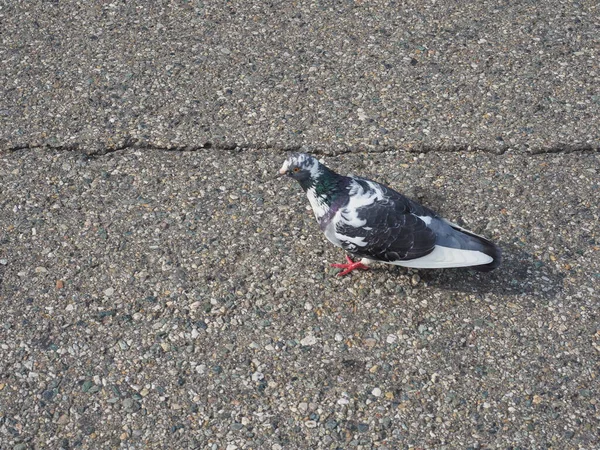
[(446, 257)]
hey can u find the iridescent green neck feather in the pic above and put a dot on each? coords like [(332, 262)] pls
[(327, 184)]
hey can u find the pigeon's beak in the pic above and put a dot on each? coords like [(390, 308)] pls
[(282, 172), (279, 174)]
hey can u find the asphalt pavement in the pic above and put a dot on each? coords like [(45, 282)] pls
[(184, 299), (334, 76)]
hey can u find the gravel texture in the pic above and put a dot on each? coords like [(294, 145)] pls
[(334, 76), (155, 299)]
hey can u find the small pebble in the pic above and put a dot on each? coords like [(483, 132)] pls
[(331, 424), (370, 342), (376, 392), (309, 340), (257, 376), (415, 279), (63, 420)]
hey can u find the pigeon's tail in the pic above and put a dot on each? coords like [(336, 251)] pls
[(491, 250), (485, 246)]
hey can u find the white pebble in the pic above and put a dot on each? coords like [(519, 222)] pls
[(309, 340), (376, 392), (257, 376)]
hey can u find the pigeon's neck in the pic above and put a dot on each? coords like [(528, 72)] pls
[(322, 190)]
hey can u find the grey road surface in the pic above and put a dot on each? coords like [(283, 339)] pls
[(154, 299), (157, 299), (333, 75)]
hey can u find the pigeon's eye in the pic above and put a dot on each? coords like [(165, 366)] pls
[(296, 169)]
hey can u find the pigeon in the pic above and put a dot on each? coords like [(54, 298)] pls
[(373, 222)]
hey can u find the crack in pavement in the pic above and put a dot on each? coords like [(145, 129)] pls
[(131, 143)]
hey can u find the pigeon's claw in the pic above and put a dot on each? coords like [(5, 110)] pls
[(349, 267)]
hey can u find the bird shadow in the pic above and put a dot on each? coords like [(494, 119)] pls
[(521, 273)]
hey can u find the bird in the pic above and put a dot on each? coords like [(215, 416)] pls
[(374, 223)]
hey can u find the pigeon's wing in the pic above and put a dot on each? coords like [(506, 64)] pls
[(380, 224)]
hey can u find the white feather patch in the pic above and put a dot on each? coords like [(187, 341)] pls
[(425, 219), (358, 199), (446, 257), (453, 225), (317, 203), (359, 240)]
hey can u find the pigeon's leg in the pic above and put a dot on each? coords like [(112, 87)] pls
[(350, 266)]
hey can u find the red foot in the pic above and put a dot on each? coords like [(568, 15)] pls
[(349, 267)]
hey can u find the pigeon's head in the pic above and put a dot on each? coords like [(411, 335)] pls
[(301, 167)]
